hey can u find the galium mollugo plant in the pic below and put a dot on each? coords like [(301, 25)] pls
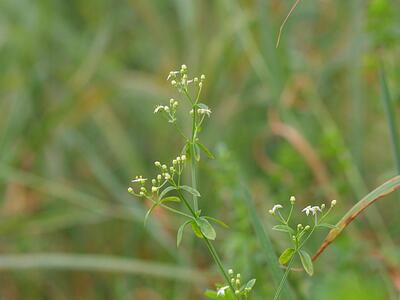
[(168, 186), (299, 235)]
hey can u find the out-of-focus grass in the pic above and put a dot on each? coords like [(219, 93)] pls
[(79, 81)]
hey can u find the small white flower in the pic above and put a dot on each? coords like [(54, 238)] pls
[(221, 291), (292, 199), (275, 208), (139, 179), (158, 108), (333, 203), (204, 111), (311, 209)]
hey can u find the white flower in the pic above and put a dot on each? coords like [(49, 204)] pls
[(333, 203), (158, 108), (275, 208), (311, 209), (221, 291), (139, 179), (204, 111)]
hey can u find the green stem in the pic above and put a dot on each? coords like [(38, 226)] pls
[(210, 247), (283, 280)]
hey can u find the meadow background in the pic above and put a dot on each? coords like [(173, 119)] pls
[(79, 81)]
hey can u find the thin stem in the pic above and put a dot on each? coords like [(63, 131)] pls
[(283, 280), (210, 247)]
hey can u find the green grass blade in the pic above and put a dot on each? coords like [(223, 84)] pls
[(390, 116), (385, 189), (98, 263)]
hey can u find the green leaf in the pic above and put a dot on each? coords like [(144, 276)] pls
[(170, 199), (217, 221), (187, 150), (167, 190), (149, 212), (286, 256), (196, 229), (196, 152), (206, 228), (191, 190), (306, 262), (283, 228), (250, 284), (179, 235), (206, 151), (202, 106), (326, 225)]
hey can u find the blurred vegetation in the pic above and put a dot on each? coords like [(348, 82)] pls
[(78, 83)]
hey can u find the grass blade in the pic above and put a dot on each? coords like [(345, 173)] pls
[(385, 189), (390, 116), (98, 263)]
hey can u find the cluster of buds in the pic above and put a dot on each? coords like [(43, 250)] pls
[(168, 110), (142, 190), (239, 288), (180, 80)]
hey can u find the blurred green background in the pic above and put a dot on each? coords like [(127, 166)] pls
[(78, 84)]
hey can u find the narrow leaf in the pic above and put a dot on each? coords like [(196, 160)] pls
[(191, 190), (206, 151), (179, 235), (283, 228), (206, 228), (217, 221), (250, 284), (286, 256), (306, 262), (170, 199), (196, 152), (196, 229), (385, 189), (166, 191), (149, 212)]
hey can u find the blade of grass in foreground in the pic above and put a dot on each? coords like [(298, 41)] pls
[(98, 263), (390, 116), (385, 189), (266, 244)]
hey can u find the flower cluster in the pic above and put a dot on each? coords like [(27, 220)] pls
[(241, 290), (169, 111), (300, 234), (167, 174), (180, 80)]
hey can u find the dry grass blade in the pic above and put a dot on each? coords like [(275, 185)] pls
[(385, 189), (285, 20)]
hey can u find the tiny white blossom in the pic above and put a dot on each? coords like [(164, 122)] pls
[(221, 291), (158, 108), (139, 179), (204, 111), (311, 209), (275, 208), (333, 203)]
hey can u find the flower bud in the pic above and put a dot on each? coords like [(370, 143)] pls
[(183, 157), (157, 164), (292, 199), (230, 272), (173, 82), (307, 227), (323, 206), (333, 203), (154, 189), (130, 190), (153, 182), (202, 77)]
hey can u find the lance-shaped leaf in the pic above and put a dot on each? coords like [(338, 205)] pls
[(385, 189)]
